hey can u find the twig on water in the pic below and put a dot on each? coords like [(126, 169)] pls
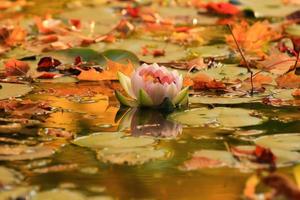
[(244, 59)]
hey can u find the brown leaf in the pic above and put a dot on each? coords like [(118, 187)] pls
[(199, 162), (204, 82), (290, 80), (110, 73), (14, 67), (252, 38)]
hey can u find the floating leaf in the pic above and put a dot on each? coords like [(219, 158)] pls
[(290, 142), (8, 176), (121, 56), (130, 156), (112, 140), (220, 116), (222, 99), (9, 90)]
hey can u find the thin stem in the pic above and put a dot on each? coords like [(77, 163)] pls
[(295, 65), (243, 57)]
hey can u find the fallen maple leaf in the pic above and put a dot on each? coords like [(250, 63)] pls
[(222, 8), (14, 67), (296, 93), (204, 82), (16, 37), (252, 39), (278, 63), (110, 73), (290, 80)]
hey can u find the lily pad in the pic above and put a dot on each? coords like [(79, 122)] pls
[(22, 152), (8, 176), (112, 140), (211, 51), (219, 116), (67, 56), (104, 17), (287, 141), (114, 147), (130, 156), (293, 30), (58, 194), (173, 52), (268, 8), (16, 193), (222, 100), (9, 90), (121, 56)]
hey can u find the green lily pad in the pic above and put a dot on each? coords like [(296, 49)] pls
[(173, 52), (22, 152), (104, 17), (219, 116), (290, 141), (68, 56), (8, 176), (9, 90), (293, 30), (121, 56), (283, 94), (130, 156), (112, 140), (211, 51), (15, 193), (268, 8), (227, 71), (222, 100), (114, 147), (62, 194)]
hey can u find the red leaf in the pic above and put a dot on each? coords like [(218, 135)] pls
[(222, 8), (76, 23), (133, 11), (47, 64), (15, 67), (264, 155), (48, 75)]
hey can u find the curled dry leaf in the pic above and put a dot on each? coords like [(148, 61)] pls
[(47, 64), (14, 67)]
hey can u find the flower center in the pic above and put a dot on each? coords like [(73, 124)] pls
[(156, 76)]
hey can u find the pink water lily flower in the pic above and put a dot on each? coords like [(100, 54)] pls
[(150, 85)]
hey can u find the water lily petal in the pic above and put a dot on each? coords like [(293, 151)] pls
[(126, 84), (144, 99), (181, 96)]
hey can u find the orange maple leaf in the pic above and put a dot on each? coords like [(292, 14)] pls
[(290, 80), (110, 73), (203, 82), (16, 37), (252, 39)]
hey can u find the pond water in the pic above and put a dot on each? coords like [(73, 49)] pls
[(118, 153)]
